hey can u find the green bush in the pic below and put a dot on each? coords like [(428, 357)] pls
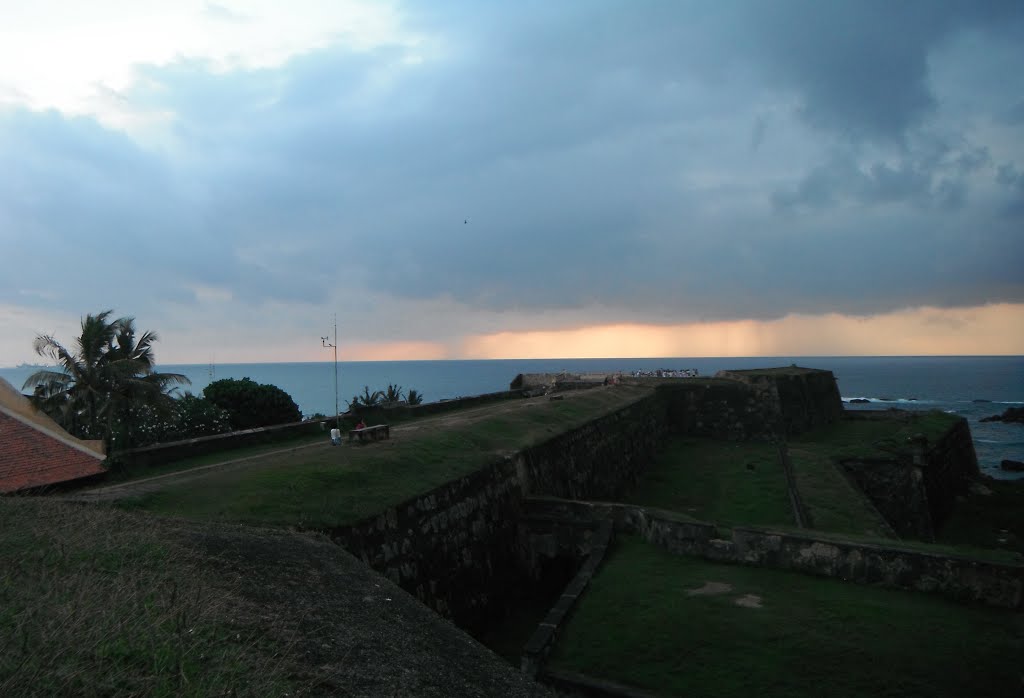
[(187, 417), (250, 404)]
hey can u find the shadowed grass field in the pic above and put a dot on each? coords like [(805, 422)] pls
[(800, 635), (724, 482), (328, 486), (991, 515)]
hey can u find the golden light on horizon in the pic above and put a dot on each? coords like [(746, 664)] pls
[(991, 329), (984, 330)]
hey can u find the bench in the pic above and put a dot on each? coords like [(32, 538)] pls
[(374, 433)]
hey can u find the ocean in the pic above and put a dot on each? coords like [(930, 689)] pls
[(971, 386)]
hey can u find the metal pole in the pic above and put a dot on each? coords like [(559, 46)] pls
[(325, 343), (337, 415)]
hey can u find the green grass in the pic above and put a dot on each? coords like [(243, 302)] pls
[(812, 637), (876, 438), (724, 482), (834, 504), (327, 487), (129, 472), (91, 604)]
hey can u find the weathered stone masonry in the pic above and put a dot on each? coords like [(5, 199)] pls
[(891, 566), (916, 492), (457, 548)]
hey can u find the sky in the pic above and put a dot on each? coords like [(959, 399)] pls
[(451, 180)]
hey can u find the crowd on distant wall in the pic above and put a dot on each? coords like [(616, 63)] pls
[(667, 373)]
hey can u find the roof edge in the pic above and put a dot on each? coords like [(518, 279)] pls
[(65, 438)]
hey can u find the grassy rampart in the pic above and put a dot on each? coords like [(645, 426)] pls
[(325, 487)]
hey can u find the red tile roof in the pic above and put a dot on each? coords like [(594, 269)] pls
[(34, 451)]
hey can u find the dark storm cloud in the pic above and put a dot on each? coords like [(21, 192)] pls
[(664, 161), (843, 178), (861, 68)]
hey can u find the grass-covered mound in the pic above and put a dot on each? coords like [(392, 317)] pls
[(95, 602), (332, 486), (682, 626)]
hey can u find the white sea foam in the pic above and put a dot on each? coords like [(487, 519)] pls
[(893, 400)]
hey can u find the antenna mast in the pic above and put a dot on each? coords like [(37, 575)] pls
[(323, 340)]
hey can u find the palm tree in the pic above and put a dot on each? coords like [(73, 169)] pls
[(367, 399), (132, 365), (393, 395), (414, 397), (96, 385)]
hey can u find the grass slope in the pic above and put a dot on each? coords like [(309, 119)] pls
[(93, 604), (811, 637)]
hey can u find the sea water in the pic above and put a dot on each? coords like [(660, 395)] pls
[(971, 386)]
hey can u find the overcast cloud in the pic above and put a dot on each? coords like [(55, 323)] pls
[(467, 168)]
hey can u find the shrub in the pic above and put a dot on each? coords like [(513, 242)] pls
[(187, 417), (250, 404)]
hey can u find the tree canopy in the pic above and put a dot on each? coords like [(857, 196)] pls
[(95, 385), (250, 404)]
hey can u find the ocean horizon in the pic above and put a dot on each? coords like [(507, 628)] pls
[(971, 386)]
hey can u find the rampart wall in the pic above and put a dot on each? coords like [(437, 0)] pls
[(916, 491), (802, 398), (719, 409), (456, 548), (993, 583)]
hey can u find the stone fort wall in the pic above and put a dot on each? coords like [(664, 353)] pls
[(457, 548)]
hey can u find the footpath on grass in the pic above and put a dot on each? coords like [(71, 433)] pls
[(139, 486)]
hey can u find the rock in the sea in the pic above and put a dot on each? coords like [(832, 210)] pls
[(1012, 465), (1012, 414), (859, 400), (980, 400)]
